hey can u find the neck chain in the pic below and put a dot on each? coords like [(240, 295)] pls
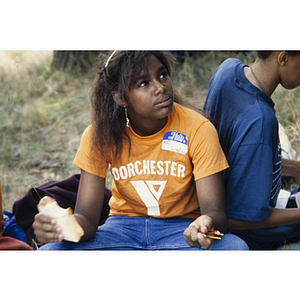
[(261, 86)]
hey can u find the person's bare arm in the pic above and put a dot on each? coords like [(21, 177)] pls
[(211, 197), (89, 203), (278, 217), (290, 167)]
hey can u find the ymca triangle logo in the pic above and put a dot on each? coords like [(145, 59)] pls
[(150, 193), (156, 187)]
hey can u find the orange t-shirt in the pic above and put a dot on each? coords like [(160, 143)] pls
[(158, 177)]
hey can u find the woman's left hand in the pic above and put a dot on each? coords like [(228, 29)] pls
[(193, 236)]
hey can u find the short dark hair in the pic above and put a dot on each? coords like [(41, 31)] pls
[(265, 54)]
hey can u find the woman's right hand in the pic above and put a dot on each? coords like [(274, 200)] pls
[(46, 230)]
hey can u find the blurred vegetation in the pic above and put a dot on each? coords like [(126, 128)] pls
[(44, 110), (75, 62)]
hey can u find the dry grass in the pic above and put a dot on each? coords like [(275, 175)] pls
[(43, 114)]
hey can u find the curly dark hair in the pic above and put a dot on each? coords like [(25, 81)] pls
[(117, 75)]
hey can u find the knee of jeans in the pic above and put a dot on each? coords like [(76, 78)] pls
[(241, 245)]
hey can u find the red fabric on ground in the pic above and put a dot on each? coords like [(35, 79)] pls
[(9, 243)]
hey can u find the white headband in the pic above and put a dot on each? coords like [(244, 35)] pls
[(109, 58)]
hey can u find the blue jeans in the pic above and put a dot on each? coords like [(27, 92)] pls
[(11, 228), (145, 233)]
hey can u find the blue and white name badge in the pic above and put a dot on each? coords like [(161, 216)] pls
[(175, 142)]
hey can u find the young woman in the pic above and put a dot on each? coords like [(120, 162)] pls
[(165, 160)]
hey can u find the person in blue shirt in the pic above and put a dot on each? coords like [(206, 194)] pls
[(239, 104)]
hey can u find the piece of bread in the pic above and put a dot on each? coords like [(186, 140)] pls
[(65, 219)]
